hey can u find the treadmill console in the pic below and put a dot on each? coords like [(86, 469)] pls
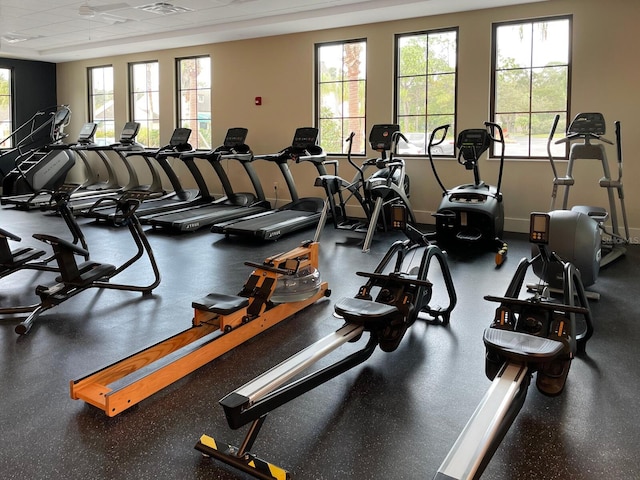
[(180, 139), (305, 139), (381, 136), (87, 132), (235, 136), (539, 228), (129, 132), (587, 123)]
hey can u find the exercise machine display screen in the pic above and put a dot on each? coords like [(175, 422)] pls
[(87, 131), (129, 131), (539, 228), (305, 138), (235, 136), (180, 137), (381, 136)]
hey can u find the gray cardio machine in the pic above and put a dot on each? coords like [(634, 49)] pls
[(587, 241), (393, 297), (534, 335)]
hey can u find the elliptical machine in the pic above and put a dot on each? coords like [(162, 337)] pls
[(599, 247), (377, 194), (471, 214)]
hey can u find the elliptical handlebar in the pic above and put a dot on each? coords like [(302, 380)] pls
[(492, 127), (445, 129)]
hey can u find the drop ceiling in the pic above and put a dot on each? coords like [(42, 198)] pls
[(67, 30)]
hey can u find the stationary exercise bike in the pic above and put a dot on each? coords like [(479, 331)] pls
[(387, 186), (77, 277), (471, 214), (534, 335), (582, 235), (30, 258), (394, 296)]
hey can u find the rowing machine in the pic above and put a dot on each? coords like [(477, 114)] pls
[(526, 336), (394, 296), (279, 287)]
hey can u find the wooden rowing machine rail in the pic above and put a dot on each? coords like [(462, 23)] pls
[(220, 323)]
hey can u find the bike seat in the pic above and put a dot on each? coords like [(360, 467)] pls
[(220, 303), (522, 346), (365, 312)]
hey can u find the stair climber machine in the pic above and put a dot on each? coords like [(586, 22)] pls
[(75, 277), (89, 188), (39, 130), (41, 168), (206, 210), (534, 335), (30, 258), (156, 199), (281, 286), (377, 194), (471, 215), (580, 234), (299, 213), (393, 297)]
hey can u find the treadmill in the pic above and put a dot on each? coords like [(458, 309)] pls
[(296, 215), (157, 199), (206, 210), (126, 143), (177, 198)]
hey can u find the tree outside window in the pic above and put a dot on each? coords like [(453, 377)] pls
[(426, 82), (341, 72), (144, 104), (530, 84), (101, 109), (194, 99)]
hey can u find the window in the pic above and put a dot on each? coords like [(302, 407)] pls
[(144, 84), (341, 76), (531, 82), (194, 94), (101, 104), (426, 84), (6, 108)]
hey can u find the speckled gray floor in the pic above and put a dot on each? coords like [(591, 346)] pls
[(395, 417)]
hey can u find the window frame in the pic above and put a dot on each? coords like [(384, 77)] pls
[(9, 138), (195, 139), (451, 134), (360, 137), (101, 131), (560, 152), (144, 123)]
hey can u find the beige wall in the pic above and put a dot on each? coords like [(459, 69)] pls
[(280, 69)]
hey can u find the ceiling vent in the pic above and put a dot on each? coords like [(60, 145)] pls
[(163, 8)]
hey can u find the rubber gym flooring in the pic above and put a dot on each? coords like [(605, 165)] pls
[(394, 417)]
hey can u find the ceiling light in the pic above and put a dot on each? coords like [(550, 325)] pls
[(15, 38), (163, 8)]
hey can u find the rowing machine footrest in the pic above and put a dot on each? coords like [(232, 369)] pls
[(522, 346), (365, 312), (220, 303)]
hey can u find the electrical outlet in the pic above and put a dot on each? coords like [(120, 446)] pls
[(275, 185)]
